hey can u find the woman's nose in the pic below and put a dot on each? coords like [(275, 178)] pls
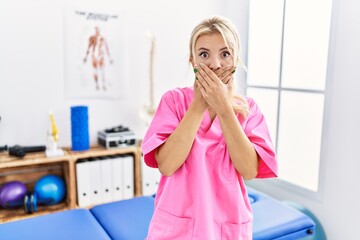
[(214, 63)]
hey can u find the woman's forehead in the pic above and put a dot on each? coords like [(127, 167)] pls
[(213, 41)]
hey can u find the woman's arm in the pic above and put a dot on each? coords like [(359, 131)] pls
[(173, 153), (241, 151), (219, 98)]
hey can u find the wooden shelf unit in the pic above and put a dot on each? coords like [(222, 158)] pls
[(35, 165)]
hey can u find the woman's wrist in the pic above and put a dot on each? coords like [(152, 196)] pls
[(197, 108), (226, 111)]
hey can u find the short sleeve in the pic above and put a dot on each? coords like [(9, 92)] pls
[(161, 127), (258, 133)]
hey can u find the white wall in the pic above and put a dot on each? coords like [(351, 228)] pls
[(337, 206), (32, 63)]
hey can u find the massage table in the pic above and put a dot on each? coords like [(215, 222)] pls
[(129, 220)]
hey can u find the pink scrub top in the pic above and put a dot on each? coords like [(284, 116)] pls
[(206, 198)]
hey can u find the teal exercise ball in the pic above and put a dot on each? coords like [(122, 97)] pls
[(50, 189)]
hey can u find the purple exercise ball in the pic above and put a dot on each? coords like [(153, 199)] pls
[(13, 191)]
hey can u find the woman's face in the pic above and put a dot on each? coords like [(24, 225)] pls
[(212, 51)]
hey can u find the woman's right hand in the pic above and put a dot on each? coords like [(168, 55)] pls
[(198, 101), (225, 74)]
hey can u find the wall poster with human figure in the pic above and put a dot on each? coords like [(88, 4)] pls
[(93, 54)]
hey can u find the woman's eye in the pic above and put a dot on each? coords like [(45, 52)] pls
[(204, 54), (226, 54)]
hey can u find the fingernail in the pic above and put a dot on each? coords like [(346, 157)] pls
[(234, 69), (195, 70), (196, 78), (201, 64)]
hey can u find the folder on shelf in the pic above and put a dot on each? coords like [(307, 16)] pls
[(82, 182), (106, 178), (150, 179), (95, 181), (117, 178), (128, 174)]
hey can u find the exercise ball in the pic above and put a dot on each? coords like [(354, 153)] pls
[(50, 189), (12, 193)]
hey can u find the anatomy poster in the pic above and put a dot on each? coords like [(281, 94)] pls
[(93, 54)]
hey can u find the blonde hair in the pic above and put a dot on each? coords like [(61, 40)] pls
[(224, 26)]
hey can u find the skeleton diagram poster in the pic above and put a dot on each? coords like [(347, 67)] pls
[(93, 54)]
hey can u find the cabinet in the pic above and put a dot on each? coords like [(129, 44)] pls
[(35, 165)]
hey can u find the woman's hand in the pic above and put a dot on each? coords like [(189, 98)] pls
[(198, 101), (216, 90), (225, 73)]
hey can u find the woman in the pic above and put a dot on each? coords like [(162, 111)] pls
[(205, 142)]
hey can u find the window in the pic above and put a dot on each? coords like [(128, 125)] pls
[(287, 64)]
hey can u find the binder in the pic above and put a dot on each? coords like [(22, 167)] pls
[(150, 179), (106, 178), (128, 176), (82, 182), (95, 181), (117, 178)]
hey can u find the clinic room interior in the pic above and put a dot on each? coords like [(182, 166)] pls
[(299, 60)]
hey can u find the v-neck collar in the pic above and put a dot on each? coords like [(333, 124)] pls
[(209, 126), (209, 115)]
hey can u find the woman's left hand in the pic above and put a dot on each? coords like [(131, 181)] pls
[(215, 90), (225, 73)]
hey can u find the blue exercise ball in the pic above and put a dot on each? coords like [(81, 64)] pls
[(50, 189)]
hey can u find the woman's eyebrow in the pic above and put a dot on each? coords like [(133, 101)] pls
[(202, 48), (205, 49)]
